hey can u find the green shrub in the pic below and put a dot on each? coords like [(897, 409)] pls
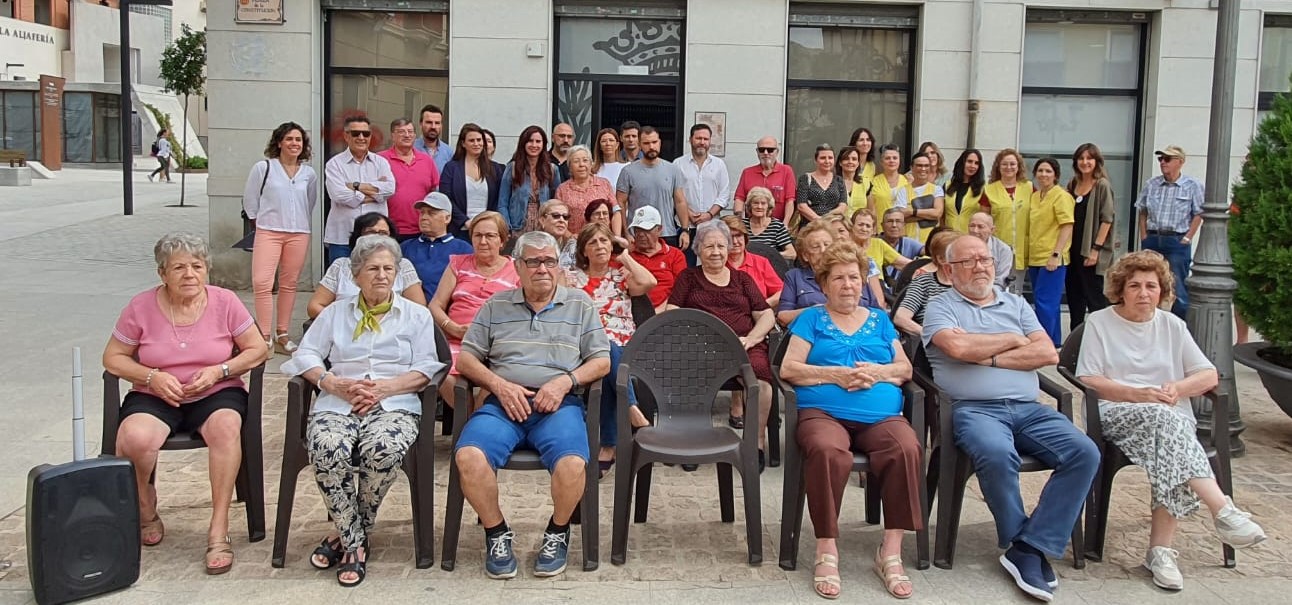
[(1260, 233), (196, 162)]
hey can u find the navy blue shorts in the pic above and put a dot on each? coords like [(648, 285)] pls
[(554, 435)]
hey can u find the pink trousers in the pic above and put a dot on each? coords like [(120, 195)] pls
[(284, 254)]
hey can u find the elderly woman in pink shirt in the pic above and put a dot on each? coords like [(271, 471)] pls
[(184, 346)]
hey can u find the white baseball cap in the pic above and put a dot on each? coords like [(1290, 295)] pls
[(646, 217), (436, 200)]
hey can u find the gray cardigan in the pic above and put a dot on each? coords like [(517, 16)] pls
[(1100, 204)]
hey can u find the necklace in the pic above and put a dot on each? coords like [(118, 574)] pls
[(170, 313)]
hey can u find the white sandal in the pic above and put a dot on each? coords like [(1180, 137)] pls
[(283, 344)]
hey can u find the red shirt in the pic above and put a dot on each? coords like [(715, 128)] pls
[(412, 182), (781, 182), (763, 273), (665, 265)]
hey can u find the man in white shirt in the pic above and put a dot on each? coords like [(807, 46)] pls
[(708, 185), (983, 227), (357, 182)]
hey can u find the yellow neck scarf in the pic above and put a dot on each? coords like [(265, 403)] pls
[(369, 319)]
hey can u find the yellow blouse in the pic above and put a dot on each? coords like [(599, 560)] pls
[(1010, 215), (879, 251), (959, 219), (857, 198), (886, 197), (1045, 215)]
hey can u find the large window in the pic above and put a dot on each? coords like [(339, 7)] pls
[(1276, 61), (848, 67), (385, 65), (20, 122), (1082, 84), (91, 127)]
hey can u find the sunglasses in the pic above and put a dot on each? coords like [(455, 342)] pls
[(1165, 159), (558, 216), (359, 134), (766, 150)]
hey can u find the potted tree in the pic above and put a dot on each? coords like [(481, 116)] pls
[(1260, 240)]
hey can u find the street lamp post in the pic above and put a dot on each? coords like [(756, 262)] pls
[(1211, 287), (127, 151)]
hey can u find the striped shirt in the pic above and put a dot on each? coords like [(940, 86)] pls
[(1170, 206), (921, 290), (774, 234), (528, 348)]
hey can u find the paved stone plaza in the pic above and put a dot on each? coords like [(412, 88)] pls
[(74, 262)]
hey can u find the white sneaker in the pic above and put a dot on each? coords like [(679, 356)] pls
[(1166, 574), (1236, 527)]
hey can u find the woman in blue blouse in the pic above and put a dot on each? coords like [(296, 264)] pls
[(846, 365), (529, 180)]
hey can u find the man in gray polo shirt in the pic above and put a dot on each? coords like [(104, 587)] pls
[(985, 346), (532, 348), (654, 182)]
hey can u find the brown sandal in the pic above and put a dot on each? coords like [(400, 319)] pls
[(152, 528), (892, 580), (827, 560), (218, 550)]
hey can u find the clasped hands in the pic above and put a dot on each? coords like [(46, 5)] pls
[(861, 376), (173, 392), (362, 393), (1166, 394), (519, 402)]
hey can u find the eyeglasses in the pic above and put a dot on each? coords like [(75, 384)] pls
[(766, 150), (534, 263), (969, 263), (558, 216), (375, 232), (359, 134)]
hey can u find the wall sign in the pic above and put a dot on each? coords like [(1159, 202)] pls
[(268, 12)]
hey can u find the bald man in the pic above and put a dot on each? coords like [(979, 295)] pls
[(769, 172), (562, 140), (983, 227)]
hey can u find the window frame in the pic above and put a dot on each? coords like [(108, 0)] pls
[(1265, 98)]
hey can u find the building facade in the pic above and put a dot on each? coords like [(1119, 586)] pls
[(79, 41), (1042, 76)]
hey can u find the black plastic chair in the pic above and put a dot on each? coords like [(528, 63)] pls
[(1113, 460), (250, 483), (419, 462), (793, 499), (682, 359), (903, 280), (950, 469), (585, 514), (779, 263), (782, 266)]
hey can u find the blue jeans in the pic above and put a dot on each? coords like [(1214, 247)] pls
[(1047, 293), (333, 252), (1180, 256), (993, 434), (610, 400)]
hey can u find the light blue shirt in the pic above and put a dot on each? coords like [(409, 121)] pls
[(831, 347), (443, 152), (1009, 313)]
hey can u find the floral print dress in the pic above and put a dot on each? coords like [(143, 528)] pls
[(609, 295)]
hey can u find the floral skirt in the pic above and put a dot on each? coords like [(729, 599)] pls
[(1163, 443)]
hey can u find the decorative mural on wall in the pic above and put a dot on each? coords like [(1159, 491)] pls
[(610, 47)]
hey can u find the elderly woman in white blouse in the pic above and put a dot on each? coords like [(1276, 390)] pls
[(279, 200), (337, 282), (381, 348)]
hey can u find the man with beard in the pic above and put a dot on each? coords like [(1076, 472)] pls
[(707, 183), (768, 172), (653, 182), (985, 346), (562, 140), (630, 138), (430, 143)]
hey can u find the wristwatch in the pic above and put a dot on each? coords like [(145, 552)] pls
[(1185, 240), (224, 369), (355, 185), (1054, 254), (574, 382)]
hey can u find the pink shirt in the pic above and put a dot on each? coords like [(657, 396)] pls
[(781, 182), (182, 350), (763, 273), (577, 199), (412, 182), (474, 288)]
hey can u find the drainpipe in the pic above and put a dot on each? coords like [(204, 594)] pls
[(975, 53)]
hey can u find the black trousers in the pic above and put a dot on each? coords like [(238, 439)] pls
[(1085, 291)]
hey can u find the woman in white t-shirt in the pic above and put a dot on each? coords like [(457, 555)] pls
[(605, 156), (338, 283), (1145, 366)]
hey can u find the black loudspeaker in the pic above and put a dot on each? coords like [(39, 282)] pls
[(82, 529)]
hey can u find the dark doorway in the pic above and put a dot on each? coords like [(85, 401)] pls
[(648, 104)]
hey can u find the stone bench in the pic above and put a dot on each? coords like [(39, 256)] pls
[(16, 176)]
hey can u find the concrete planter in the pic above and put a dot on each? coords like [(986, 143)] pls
[(1276, 378)]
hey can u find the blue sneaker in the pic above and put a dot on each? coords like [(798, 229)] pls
[(1024, 564), (552, 554), (500, 561), (1047, 572)]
